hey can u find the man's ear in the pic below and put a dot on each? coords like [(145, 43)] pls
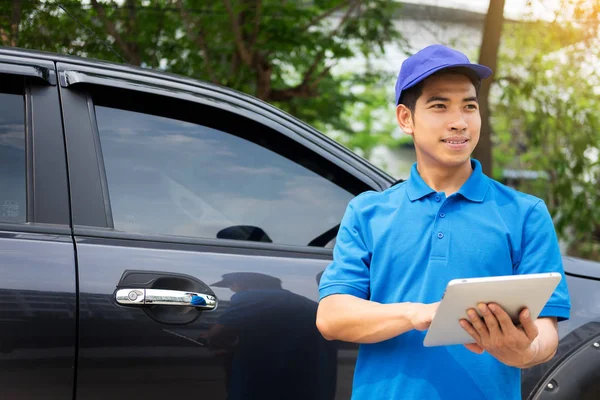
[(404, 117)]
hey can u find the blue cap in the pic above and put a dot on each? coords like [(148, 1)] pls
[(429, 61)]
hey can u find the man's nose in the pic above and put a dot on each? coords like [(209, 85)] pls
[(458, 123)]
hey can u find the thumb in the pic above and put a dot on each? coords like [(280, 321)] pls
[(475, 348)]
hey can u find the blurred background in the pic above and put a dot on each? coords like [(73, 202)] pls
[(333, 64)]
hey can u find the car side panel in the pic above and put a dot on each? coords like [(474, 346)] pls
[(123, 353), (37, 317)]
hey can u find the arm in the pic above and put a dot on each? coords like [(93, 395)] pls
[(547, 342), (351, 319), (345, 311)]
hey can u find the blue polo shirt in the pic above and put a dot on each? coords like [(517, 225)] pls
[(404, 244)]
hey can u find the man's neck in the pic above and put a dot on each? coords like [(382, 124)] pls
[(444, 179)]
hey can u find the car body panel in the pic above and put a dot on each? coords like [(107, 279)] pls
[(38, 323), (123, 349)]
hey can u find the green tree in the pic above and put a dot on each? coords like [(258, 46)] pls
[(280, 51), (547, 118)]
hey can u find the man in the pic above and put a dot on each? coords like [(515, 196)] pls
[(396, 251)]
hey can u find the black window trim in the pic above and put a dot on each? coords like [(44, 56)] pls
[(41, 70), (72, 94), (47, 208), (35, 227), (100, 159), (96, 235), (29, 156)]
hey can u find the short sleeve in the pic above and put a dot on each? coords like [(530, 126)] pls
[(540, 253), (349, 271)]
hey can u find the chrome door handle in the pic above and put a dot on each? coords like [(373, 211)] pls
[(165, 297)]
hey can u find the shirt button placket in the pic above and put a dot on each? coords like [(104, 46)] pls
[(440, 234), (440, 245)]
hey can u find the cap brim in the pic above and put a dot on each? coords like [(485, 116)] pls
[(221, 283), (481, 70)]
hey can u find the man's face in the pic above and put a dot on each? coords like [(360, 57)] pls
[(446, 122)]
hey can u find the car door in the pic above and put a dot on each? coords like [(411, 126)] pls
[(37, 262), (203, 220)]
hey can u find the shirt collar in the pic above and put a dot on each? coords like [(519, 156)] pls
[(476, 186), (474, 189), (416, 188)]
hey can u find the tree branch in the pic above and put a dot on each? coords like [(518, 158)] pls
[(237, 32), (307, 89), (15, 22), (235, 64), (132, 12), (299, 91), (320, 77), (321, 54), (112, 30), (257, 17), (326, 14), (199, 39)]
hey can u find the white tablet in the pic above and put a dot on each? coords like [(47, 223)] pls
[(512, 292)]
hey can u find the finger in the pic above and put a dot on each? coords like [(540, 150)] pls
[(477, 323), (506, 323), (475, 348), (529, 327), (490, 320), (470, 330)]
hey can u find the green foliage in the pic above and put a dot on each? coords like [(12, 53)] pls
[(546, 118), (280, 51)]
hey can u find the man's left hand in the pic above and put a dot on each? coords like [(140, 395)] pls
[(497, 334)]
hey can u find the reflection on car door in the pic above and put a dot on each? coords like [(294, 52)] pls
[(37, 263), (179, 202)]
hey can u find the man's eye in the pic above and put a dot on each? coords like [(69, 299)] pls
[(472, 106), (438, 106)]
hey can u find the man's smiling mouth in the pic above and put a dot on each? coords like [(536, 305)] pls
[(454, 141)]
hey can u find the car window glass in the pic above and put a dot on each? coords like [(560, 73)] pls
[(171, 177), (13, 206)]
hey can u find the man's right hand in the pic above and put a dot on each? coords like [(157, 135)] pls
[(423, 315)]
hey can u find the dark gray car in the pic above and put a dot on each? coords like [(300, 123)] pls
[(160, 236)]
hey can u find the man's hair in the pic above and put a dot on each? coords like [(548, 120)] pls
[(411, 95)]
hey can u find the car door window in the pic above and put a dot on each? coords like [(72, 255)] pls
[(227, 178), (13, 206)]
